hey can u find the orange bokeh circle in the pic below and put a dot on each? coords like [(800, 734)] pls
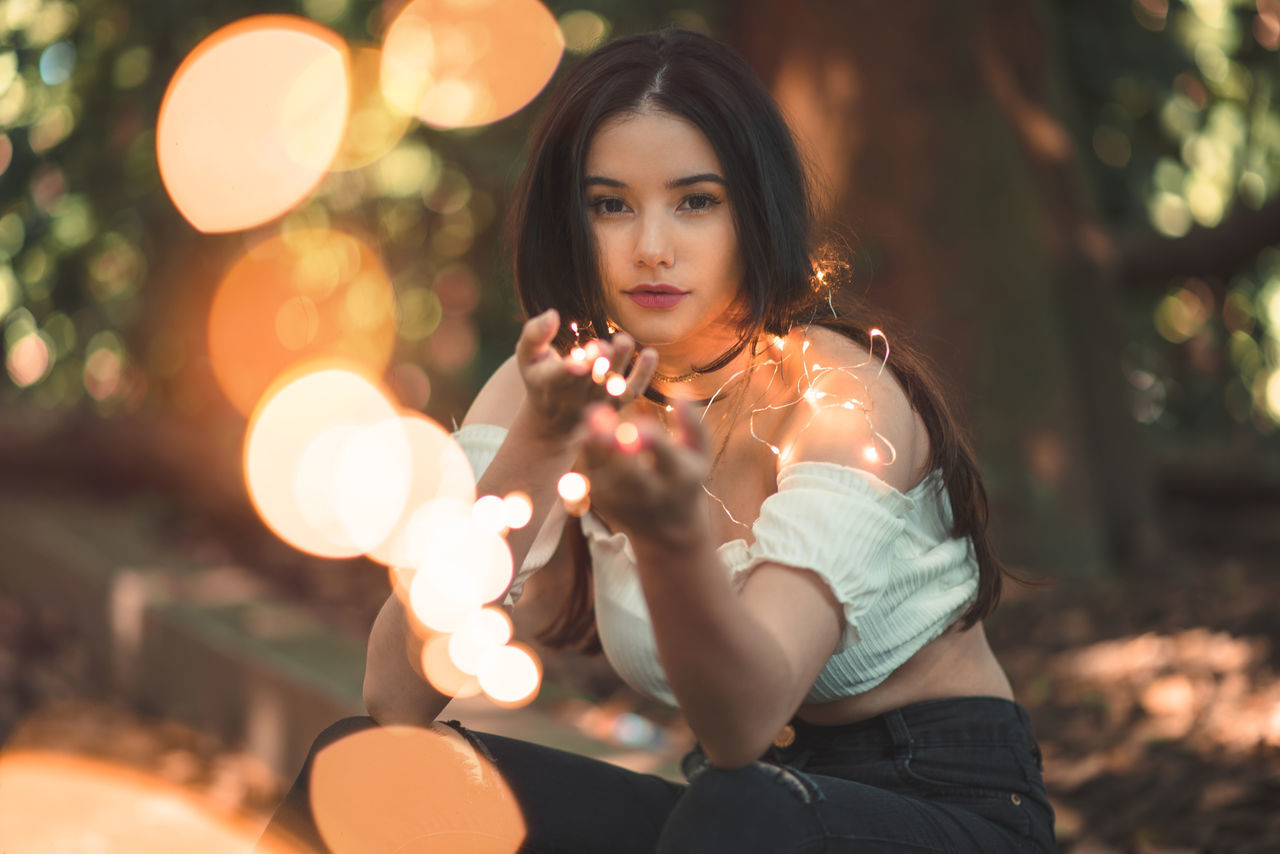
[(461, 64), (412, 790), (303, 295), (252, 119)]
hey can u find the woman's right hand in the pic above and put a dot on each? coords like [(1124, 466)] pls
[(558, 389)]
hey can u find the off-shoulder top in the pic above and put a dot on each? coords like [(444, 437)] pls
[(888, 557)]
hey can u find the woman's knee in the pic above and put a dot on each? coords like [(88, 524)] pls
[(760, 807)]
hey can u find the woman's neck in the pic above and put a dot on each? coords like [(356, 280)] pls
[(676, 376)]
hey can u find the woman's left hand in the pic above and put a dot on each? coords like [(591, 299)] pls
[(645, 481)]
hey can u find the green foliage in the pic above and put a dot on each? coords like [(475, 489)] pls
[(90, 244), (1181, 105)]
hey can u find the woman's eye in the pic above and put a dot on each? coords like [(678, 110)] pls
[(700, 202), (609, 205)]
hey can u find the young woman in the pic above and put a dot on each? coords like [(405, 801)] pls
[(787, 532)]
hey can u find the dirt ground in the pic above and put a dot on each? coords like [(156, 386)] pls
[(1155, 696)]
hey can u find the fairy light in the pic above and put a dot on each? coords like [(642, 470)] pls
[(600, 369), (518, 510), (628, 436), (615, 385), (573, 487)]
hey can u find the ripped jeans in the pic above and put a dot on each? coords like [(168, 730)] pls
[(957, 775)]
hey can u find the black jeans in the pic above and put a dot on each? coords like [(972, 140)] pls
[(958, 775)]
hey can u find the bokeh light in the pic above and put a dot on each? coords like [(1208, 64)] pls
[(583, 30), (510, 675), (302, 295), (29, 360), (572, 486), (252, 120), (462, 563), (326, 463), (482, 634), (438, 471), (51, 802), (445, 676), (464, 64), (412, 790), (518, 509), (374, 126)]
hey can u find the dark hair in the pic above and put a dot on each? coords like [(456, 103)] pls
[(706, 83)]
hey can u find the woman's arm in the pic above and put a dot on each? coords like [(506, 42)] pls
[(539, 398), (739, 662)]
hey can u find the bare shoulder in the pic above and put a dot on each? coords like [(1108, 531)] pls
[(853, 411), (499, 398)]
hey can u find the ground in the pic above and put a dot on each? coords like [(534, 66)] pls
[(1154, 693)]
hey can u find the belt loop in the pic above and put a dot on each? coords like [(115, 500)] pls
[(898, 732)]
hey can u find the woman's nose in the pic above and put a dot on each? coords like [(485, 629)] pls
[(654, 247)]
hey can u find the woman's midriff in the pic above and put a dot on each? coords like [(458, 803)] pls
[(956, 664)]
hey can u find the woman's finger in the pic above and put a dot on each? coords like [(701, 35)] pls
[(536, 336), (641, 373), (674, 462), (689, 429)]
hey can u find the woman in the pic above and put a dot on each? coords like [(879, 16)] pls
[(787, 534)]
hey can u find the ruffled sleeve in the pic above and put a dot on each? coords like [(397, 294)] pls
[(841, 523), (480, 442)]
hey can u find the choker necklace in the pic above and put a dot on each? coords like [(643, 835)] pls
[(661, 399)]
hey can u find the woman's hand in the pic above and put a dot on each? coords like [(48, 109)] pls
[(558, 389), (645, 481)]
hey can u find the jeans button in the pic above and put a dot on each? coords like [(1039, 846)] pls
[(785, 737), (1016, 798)]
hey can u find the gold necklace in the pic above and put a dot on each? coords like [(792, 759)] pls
[(683, 378)]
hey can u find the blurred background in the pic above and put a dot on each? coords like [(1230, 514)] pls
[(1073, 207)]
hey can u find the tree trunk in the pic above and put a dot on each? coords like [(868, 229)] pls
[(933, 130)]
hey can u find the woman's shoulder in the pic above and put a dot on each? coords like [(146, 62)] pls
[(853, 412), (499, 398)]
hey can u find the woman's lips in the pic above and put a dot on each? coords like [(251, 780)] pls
[(661, 296)]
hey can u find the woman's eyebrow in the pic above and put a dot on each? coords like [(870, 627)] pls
[(671, 185), (696, 179)]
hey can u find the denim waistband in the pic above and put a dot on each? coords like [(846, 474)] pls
[(951, 721)]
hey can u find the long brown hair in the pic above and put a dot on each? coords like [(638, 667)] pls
[(555, 263)]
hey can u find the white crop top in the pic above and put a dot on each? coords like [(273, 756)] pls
[(886, 555)]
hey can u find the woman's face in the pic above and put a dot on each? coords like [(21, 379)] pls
[(668, 251)]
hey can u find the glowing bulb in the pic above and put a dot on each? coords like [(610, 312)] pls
[(518, 509), (490, 512), (509, 675), (573, 487), (871, 455), (600, 369), (573, 327), (670, 408), (628, 436), (778, 342), (776, 450), (615, 385), (578, 354), (483, 633)]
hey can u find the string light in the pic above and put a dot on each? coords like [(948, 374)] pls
[(573, 487)]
